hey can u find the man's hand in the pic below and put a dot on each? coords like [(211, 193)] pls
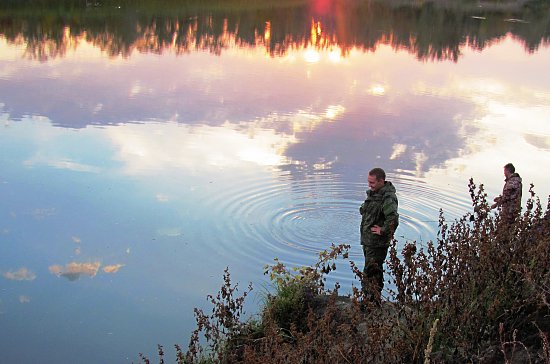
[(376, 230)]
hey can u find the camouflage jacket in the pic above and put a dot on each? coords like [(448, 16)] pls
[(380, 208), (510, 200)]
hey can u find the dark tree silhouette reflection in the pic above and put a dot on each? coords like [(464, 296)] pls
[(431, 32)]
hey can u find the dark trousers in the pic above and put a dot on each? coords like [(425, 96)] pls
[(373, 273)]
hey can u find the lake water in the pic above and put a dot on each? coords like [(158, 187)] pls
[(144, 150)]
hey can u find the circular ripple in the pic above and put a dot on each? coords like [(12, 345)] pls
[(293, 219)]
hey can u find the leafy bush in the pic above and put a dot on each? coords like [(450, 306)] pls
[(479, 293), (482, 277)]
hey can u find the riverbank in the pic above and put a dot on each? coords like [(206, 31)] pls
[(480, 293)]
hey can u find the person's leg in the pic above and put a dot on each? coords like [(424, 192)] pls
[(373, 273)]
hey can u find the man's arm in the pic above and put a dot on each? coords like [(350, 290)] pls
[(498, 201), (389, 209)]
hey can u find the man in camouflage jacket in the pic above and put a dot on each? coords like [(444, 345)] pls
[(378, 224), (510, 199)]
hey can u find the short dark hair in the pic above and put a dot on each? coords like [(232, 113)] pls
[(510, 168), (378, 173)]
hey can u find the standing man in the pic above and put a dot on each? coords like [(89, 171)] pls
[(378, 224), (510, 199)]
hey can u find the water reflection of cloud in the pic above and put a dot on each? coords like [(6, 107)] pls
[(112, 268), (538, 141), (73, 270), (398, 149), (42, 213), (384, 109), (64, 163), (509, 131), (146, 148), (161, 197), (420, 159), (22, 274), (510, 124), (149, 148), (413, 136), (169, 231)]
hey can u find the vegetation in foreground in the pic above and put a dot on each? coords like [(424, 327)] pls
[(480, 293)]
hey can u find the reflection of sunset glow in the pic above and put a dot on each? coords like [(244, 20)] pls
[(377, 90), (267, 32), (321, 37), (136, 89), (10, 51), (330, 26), (315, 31), (333, 111), (312, 56), (321, 7), (261, 159), (335, 55)]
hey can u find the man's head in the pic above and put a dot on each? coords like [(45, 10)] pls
[(376, 179), (509, 169)]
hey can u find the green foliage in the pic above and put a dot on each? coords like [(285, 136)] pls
[(314, 275), (289, 306), (296, 288)]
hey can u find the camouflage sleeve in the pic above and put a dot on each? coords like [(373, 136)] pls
[(389, 209)]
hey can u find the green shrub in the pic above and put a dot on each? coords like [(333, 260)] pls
[(290, 305)]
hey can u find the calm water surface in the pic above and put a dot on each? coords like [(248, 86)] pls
[(130, 179)]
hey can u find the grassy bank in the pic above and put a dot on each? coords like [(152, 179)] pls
[(479, 293)]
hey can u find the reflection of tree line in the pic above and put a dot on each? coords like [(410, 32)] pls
[(431, 32)]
